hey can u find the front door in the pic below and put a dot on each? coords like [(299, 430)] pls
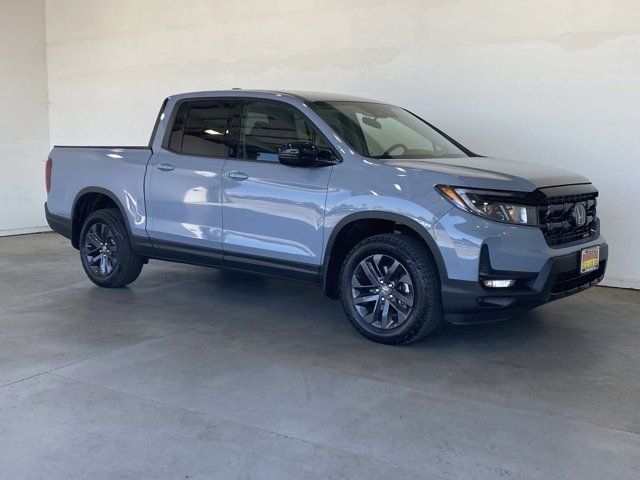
[(184, 181), (270, 210)]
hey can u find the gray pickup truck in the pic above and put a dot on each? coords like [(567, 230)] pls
[(382, 209)]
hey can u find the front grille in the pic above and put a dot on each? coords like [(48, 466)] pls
[(557, 221)]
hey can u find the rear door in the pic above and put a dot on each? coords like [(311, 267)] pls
[(270, 210), (184, 178)]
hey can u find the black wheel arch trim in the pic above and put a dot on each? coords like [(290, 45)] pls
[(135, 239), (383, 215)]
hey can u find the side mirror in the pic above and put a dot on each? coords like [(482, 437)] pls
[(305, 154)]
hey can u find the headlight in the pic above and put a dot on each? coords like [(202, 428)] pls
[(489, 204)]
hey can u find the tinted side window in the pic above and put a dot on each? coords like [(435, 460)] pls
[(206, 129), (175, 139), (267, 126)]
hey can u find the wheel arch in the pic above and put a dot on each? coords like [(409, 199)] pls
[(88, 200), (381, 222)]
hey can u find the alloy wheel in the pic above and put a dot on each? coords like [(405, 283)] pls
[(382, 291), (100, 250)]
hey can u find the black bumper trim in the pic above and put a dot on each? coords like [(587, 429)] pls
[(58, 224), (470, 302)]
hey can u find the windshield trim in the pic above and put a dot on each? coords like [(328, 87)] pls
[(314, 105)]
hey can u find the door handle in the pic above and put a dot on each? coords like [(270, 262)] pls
[(238, 175), (165, 167)]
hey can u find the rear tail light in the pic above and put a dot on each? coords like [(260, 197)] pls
[(47, 175)]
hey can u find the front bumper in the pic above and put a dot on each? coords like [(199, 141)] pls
[(470, 302), (473, 248)]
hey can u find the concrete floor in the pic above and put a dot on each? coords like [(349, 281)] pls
[(197, 373)]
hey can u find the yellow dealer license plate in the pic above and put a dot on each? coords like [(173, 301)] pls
[(589, 259)]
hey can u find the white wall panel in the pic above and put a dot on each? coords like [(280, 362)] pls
[(24, 129), (556, 82)]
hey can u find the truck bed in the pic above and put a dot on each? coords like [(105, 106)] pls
[(119, 170)]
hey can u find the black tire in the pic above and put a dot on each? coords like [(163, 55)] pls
[(426, 310), (127, 265)]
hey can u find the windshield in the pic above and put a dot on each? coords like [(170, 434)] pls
[(376, 130)]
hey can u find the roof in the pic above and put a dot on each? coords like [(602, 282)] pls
[(306, 96), (327, 97)]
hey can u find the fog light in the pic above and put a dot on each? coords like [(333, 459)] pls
[(498, 283)]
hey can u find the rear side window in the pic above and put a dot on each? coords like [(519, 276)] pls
[(267, 126), (201, 127), (175, 140)]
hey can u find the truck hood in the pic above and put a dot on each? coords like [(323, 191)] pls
[(494, 173)]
